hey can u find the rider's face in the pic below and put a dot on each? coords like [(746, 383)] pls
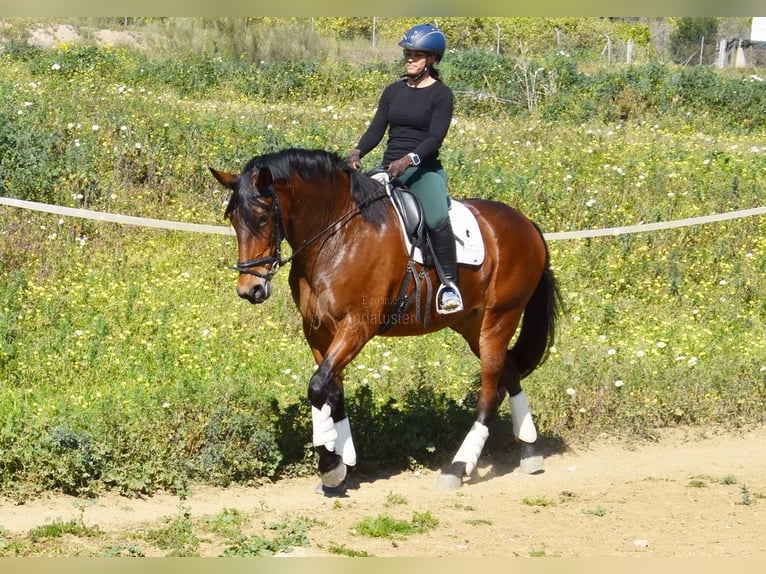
[(415, 61)]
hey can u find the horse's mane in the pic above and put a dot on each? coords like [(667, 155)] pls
[(322, 165)]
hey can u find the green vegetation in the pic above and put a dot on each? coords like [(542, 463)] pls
[(539, 501), (386, 526), (128, 363)]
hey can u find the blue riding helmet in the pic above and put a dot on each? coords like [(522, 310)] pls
[(425, 38)]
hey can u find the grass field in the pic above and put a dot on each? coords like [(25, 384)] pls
[(128, 362)]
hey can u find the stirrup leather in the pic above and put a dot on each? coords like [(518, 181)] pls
[(452, 292)]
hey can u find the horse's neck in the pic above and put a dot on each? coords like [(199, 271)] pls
[(313, 211)]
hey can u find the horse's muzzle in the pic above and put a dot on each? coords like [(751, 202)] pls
[(255, 293)]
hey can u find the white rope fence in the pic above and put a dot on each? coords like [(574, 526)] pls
[(225, 230), (116, 217)]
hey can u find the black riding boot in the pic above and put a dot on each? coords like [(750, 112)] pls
[(448, 299)]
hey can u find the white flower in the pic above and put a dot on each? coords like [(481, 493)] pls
[(618, 383), (95, 127), (571, 392), (55, 66), (611, 352), (661, 344), (166, 405)]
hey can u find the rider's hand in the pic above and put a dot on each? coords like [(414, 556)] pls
[(398, 166), (354, 160)]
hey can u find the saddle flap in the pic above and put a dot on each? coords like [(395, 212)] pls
[(408, 206)]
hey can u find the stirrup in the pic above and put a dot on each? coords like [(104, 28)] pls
[(448, 300)]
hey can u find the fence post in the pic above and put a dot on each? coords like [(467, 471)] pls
[(722, 53), (608, 49), (739, 60)]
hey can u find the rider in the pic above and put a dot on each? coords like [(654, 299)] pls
[(417, 111)]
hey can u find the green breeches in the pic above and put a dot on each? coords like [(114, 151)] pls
[(430, 186)]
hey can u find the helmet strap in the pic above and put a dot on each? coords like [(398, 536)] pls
[(415, 80)]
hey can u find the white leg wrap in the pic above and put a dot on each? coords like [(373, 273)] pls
[(324, 428), (472, 446), (344, 444), (523, 425)]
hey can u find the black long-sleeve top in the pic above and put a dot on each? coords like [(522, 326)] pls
[(417, 120)]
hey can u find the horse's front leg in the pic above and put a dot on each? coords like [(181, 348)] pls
[(331, 428)]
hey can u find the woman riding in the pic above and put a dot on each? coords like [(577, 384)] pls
[(417, 111)]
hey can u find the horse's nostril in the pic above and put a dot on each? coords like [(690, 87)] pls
[(255, 294)]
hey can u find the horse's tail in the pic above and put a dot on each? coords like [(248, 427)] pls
[(538, 325)]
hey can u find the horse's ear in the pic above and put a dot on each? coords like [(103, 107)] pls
[(262, 179), (226, 179)]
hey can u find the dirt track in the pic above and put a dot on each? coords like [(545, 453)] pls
[(683, 496)]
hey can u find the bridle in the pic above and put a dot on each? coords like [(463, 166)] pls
[(275, 261)]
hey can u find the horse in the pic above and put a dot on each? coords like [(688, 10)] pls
[(347, 263)]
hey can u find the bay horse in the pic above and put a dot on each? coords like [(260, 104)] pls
[(347, 264)]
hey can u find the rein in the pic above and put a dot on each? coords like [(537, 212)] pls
[(275, 261)]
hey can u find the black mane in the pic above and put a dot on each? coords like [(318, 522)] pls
[(321, 165)]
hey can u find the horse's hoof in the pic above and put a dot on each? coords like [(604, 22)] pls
[(338, 491), (451, 477), (449, 482), (531, 461), (334, 476)]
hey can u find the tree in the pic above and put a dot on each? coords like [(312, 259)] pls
[(691, 36)]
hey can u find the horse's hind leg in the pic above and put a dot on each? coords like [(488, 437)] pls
[(492, 348), (523, 426)]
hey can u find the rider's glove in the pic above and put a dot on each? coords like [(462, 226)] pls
[(354, 160), (398, 167)]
